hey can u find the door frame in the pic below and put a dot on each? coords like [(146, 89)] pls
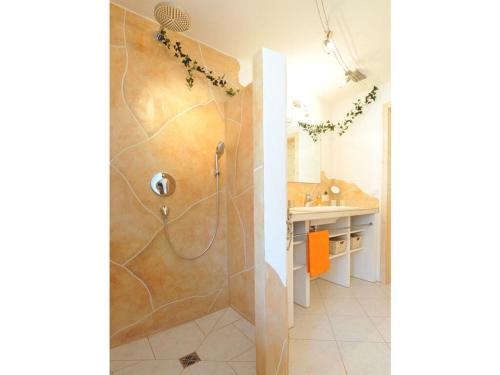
[(385, 202)]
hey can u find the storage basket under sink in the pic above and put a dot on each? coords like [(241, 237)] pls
[(338, 245), (356, 241)]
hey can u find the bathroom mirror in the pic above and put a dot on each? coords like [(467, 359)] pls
[(163, 184), (303, 156)]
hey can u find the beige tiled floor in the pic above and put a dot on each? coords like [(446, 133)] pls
[(224, 341), (345, 331)]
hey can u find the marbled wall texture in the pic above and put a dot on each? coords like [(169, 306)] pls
[(239, 151), (158, 124), (350, 193)]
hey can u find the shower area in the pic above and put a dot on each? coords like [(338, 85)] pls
[(181, 190)]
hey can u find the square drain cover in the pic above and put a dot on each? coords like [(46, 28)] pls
[(189, 359)]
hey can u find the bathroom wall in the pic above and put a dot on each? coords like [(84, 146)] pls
[(269, 174), (158, 124), (239, 151), (357, 155), (350, 193), (352, 161)]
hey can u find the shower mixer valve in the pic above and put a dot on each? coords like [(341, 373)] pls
[(163, 184)]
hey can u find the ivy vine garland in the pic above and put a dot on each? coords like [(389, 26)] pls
[(193, 66), (315, 130)]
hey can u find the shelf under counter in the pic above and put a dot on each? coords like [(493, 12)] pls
[(355, 250), (340, 224), (298, 266), (334, 256)]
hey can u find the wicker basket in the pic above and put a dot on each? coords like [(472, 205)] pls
[(356, 241), (337, 245)]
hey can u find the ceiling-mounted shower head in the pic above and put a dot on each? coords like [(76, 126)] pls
[(171, 18), (219, 150)]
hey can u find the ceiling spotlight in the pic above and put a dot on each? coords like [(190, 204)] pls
[(329, 44), (331, 48)]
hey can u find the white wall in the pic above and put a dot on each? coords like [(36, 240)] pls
[(272, 81), (356, 156)]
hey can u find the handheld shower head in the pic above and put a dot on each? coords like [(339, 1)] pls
[(219, 151)]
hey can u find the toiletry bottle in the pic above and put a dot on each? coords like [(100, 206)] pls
[(325, 199), (318, 200)]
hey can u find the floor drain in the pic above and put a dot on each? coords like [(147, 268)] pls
[(189, 359)]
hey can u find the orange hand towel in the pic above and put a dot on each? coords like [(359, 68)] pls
[(318, 254)]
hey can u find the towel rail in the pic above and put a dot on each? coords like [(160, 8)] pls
[(350, 227)]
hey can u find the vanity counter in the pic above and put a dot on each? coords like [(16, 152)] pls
[(327, 212)]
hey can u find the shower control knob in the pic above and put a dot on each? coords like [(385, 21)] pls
[(163, 184)]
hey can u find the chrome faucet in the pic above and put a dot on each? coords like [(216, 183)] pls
[(308, 201)]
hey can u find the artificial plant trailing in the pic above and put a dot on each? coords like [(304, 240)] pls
[(193, 66), (315, 130)]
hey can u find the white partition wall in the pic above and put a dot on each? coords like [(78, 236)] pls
[(270, 212)]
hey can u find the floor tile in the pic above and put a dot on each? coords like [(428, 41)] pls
[(343, 306), (247, 328), (328, 289), (363, 358), (368, 291), (376, 306), (355, 328), (249, 356), (158, 367), (383, 325), (314, 290), (316, 307), (310, 357), (386, 288), (209, 368), (230, 316), (360, 282), (312, 327), (177, 342), (139, 349), (208, 322), (244, 368), (224, 344), (117, 365)]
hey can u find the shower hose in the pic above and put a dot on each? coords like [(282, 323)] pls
[(165, 226)]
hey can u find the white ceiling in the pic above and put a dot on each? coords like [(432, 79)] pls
[(292, 27)]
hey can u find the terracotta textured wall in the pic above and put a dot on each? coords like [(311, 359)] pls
[(239, 148), (350, 193), (158, 124)]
